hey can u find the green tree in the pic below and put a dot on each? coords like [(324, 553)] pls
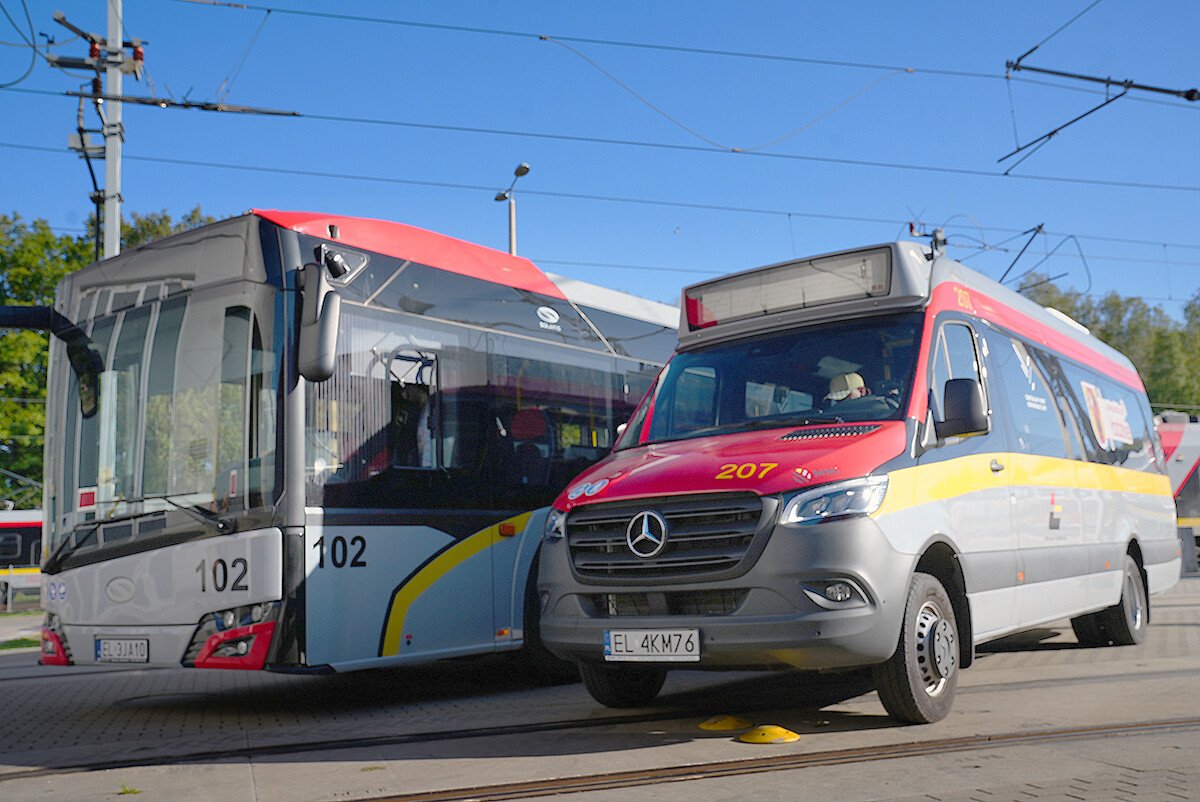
[(32, 261), (1165, 351)]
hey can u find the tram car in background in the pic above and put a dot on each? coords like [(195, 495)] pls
[(20, 549), (1180, 433)]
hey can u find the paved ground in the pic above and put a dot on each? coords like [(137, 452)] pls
[(59, 717)]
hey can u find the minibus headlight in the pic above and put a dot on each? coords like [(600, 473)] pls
[(556, 526), (839, 500)]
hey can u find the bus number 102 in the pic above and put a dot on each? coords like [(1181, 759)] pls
[(339, 552), (221, 574)]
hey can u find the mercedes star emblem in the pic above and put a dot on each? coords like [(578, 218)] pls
[(647, 534)]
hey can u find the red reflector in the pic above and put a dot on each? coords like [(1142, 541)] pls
[(87, 498), (258, 641), (507, 530), (53, 653)]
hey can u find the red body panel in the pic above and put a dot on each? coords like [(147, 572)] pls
[(1170, 434), (694, 465), (419, 245)]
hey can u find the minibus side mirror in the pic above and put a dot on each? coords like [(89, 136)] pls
[(320, 313), (963, 408)]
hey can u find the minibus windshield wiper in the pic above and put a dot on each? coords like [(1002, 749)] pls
[(793, 420)]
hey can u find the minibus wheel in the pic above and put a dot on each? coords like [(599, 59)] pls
[(1123, 624), (917, 684), (622, 686)]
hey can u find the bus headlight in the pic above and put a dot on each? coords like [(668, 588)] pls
[(556, 526), (838, 500)]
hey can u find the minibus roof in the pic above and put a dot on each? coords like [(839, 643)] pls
[(861, 282)]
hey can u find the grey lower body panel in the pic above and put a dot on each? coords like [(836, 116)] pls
[(773, 615)]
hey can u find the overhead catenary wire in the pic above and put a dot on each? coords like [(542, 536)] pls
[(702, 137), (30, 40), (679, 147), (227, 84), (572, 195)]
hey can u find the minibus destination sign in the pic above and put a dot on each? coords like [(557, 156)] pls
[(789, 286)]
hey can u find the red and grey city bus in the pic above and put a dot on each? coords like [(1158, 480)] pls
[(307, 442), (876, 457)]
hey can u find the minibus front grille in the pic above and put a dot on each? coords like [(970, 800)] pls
[(685, 602), (708, 536), (833, 431)]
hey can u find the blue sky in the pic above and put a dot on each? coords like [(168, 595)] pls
[(879, 145)]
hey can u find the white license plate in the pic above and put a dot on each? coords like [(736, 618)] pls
[(666, 645), (122, 650)]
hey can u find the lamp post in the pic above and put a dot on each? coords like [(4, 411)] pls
[(509, 195)]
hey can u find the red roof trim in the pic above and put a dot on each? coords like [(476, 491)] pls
[(421, 246)]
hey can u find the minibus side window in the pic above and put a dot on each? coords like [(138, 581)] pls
[(954, 358), (1081, 447), (1032, 408), (1114, 419)]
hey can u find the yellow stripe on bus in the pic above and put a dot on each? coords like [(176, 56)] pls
[(947, 479), (441, 565), (23, 571), (1193, 522)]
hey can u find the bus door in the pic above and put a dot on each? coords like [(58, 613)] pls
[(1048, 509), (973, 477)]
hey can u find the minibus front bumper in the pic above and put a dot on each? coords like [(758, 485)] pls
[(828, 595)]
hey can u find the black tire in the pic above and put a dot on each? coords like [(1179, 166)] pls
[(1124, 624), (624, 685), (534, 657), (917, 684), (1087, 630)]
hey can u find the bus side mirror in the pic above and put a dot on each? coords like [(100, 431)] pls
[(964, 410), (320, 313)]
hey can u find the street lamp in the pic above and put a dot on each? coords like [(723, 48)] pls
[(508, 195)]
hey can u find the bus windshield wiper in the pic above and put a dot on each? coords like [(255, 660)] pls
[(73, 542), (224, 526)]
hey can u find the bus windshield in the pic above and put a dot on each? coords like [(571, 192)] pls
[(836, 373), (187, 415)]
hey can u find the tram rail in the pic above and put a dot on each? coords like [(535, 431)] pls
[(698, 710)]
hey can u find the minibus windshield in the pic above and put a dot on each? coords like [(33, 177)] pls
[(860, 370)]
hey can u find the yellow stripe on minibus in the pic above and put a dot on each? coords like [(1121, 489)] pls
[(952, 478), (434, 570)]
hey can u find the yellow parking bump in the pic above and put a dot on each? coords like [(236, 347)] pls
[(725, 724), (768, 734)]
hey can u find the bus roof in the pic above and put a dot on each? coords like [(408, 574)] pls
[(418, 245), (621, 303)]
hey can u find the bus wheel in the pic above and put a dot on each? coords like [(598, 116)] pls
[(1123, 624), (917, 684), (622, 686)]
